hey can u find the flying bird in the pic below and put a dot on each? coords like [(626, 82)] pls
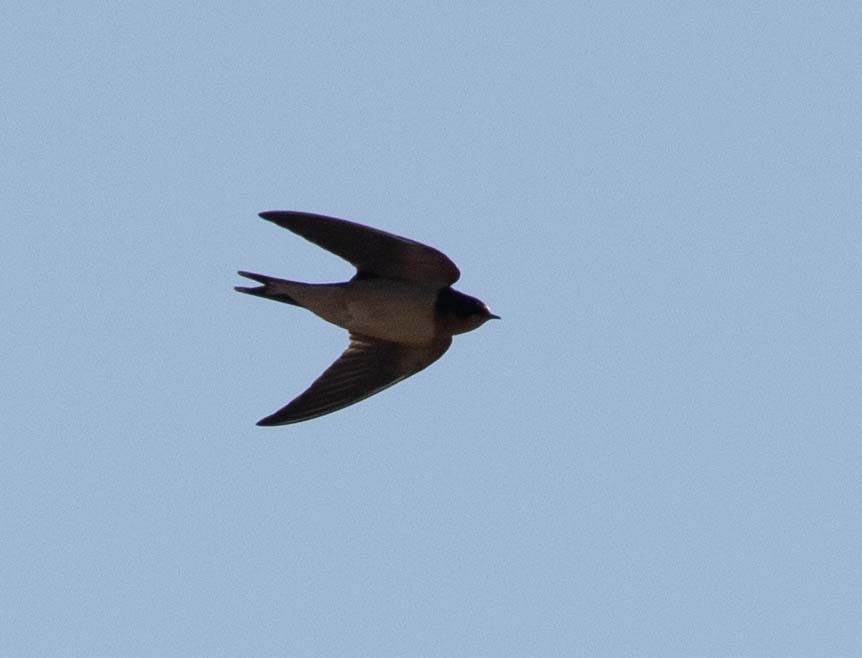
[(400, 309)]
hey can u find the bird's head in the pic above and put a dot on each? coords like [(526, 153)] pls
[(461, 313)]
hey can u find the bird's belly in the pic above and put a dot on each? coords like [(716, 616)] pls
[(391, 310)]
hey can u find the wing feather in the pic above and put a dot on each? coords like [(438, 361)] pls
[(373, 252), (366, 367)]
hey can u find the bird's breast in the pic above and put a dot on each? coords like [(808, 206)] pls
[(391, 310)]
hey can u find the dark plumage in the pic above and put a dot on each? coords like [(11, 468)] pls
[(399, 308)]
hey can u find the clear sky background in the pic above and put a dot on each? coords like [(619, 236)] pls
[(655, 453)]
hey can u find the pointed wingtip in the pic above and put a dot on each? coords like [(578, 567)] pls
[(282, 218)]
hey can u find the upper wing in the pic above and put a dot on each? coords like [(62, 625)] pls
[(367, 367), (372, 252)]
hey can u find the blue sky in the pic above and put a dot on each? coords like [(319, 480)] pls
[(655, 453)]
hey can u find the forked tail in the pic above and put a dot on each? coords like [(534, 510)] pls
[(271, 288)]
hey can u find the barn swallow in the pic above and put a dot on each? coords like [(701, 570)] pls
[(400, 309)]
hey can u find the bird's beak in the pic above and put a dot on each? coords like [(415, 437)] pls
[(491, 316)]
